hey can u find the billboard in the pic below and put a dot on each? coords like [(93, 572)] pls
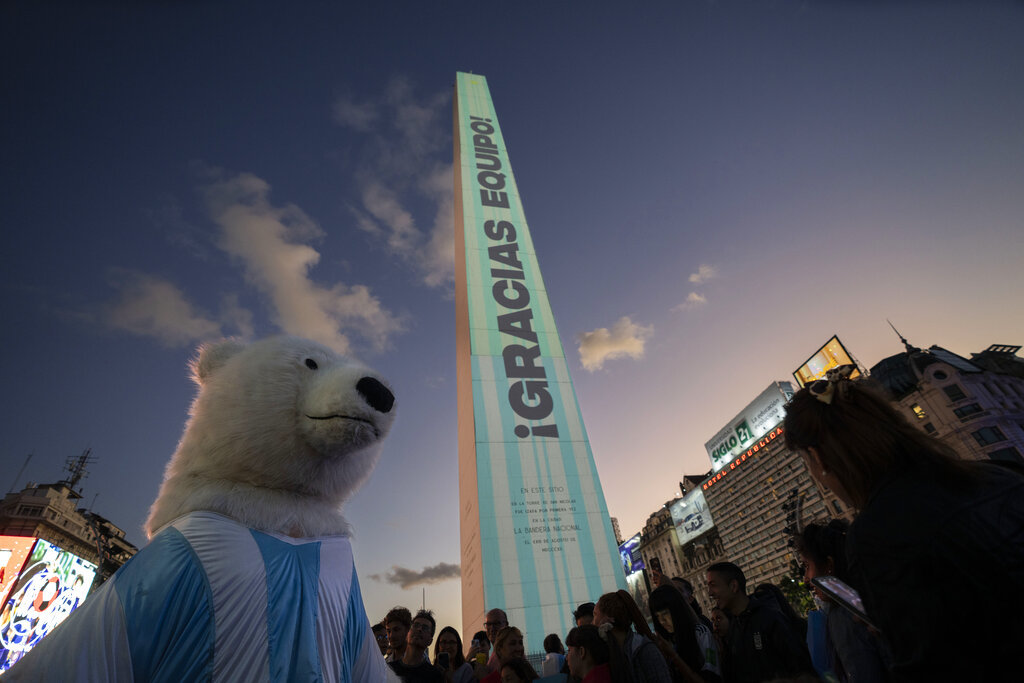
[(690, 516), (53, 583), (832, 354), (14, 550), (629, 553), (756, 420)]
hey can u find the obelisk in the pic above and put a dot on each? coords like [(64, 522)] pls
[(535, 530)]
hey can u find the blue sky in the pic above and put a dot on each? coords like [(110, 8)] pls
[(714, 189)]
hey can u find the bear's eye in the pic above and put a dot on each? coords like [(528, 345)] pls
[(311, 364)]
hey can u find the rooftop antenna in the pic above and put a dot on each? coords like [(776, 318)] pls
[(906, 344), (76, 467)]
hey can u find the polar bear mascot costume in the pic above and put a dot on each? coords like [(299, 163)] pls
[(248, 575)]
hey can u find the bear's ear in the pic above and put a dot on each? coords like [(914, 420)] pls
[(212, 356)]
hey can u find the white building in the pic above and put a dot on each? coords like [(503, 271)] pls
[(976, 406)]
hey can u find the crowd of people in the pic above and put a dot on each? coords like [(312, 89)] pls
[(936, 552)]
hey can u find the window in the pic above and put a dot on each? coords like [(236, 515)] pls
[(929, 427), (967, 410), (954, 392), (919, 411), (987, 435), (1008, 454), (940, 375)]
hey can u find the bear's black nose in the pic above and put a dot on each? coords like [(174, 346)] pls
[(376, 394)]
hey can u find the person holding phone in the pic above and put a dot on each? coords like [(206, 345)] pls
[(938, 543), (449, 659), (851, 651)]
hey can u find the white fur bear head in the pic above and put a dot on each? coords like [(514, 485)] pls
[(282, 431)]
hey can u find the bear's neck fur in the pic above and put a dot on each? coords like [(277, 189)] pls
[(264, 509)]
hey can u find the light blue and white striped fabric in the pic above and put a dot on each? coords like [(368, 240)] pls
[(212, 600)]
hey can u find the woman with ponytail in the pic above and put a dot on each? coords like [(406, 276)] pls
[(938, 542)]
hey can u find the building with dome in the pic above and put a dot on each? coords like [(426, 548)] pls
[(975, 405)]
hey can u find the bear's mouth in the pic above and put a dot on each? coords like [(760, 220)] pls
[(353, 418)]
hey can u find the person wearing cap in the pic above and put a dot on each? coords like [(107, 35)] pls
[(584, 614)]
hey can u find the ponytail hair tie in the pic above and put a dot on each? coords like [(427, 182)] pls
[(824, 389)]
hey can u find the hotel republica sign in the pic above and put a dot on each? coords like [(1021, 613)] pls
[(535, 531)]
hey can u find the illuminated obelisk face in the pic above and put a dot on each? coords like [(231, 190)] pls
[(536, 534)]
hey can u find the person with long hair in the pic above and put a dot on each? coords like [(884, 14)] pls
[(938, 543), (851, 651), (458, 669), (554, 661), (649, 656), (675, 621), (593, 658), (508, 645)]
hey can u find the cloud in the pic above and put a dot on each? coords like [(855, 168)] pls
[(405, 188), (408, 578), (359, 116), (624, 339), (272, 245), (704, 273), (153, 307), (693, 300)]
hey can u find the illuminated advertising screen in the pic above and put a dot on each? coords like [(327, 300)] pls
[(14, 550), (756, 420), (690, 516), (831, 355), (629, 551), (53, 583)]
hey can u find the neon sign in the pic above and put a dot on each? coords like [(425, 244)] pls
[(762, 443)]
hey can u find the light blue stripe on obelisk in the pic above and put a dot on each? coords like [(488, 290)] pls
[(488, 425), (602, 537), (292, 584)]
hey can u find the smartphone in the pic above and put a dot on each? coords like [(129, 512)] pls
[(843, 594), (442, 660)]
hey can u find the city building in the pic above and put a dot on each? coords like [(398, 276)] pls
[(659, 545), (975, 406), (616, 531), (51, 512), (759, 492)]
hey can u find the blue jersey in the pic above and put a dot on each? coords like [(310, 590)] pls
[(212, 600)]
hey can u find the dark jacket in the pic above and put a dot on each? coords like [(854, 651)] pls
[(940, 568), (763, 646)]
